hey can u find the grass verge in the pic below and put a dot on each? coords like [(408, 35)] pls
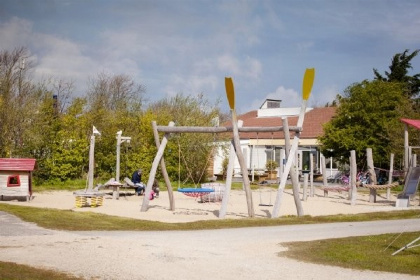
[(364, 253), (9, 270), (70, 220)]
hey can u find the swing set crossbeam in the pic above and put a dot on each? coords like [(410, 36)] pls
[(221, 129)]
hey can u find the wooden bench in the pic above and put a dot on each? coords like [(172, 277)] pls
[(338, 189)]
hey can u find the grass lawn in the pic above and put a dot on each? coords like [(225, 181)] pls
[(366, 252)]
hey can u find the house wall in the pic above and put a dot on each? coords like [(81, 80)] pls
[(256, 158), (22, 190)]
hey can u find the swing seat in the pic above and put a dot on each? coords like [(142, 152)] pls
[(195, 192)]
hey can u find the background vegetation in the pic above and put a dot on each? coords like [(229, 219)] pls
[(48, 121), (369, 112)]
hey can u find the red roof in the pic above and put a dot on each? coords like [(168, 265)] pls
[(312, 126), (17, 164), (414, 123)]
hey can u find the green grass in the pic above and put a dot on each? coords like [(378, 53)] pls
[(364, 253), (10, 271), (72, 185), (71, 220)]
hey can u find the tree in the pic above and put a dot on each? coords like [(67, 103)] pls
[(114, 102), (368, 116), (190, 151), (15, 99), (401, 63)]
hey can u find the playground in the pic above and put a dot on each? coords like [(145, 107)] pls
[(188, 209)]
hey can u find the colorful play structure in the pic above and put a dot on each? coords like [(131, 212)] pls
[(235, 150)]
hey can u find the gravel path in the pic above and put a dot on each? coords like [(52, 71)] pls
[(246, 253)]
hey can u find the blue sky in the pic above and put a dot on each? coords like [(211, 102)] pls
[(189, 46)]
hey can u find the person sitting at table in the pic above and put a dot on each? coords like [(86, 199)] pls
[(136, 179)]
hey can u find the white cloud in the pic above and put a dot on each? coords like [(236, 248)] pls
[(191, 85), (249, 68), (288, 97), (53, 57), (326, 95), (15, 33), (304, 46)]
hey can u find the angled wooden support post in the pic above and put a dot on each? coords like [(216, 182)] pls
[(164, 171), (293, 172), (371, 169), (308, 80), (230, 93), (153, 170), (229, 174)]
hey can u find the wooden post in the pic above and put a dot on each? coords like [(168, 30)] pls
[(311, 174), (324, 175), (353, 173), (371, 170), (244, 170), (282, 159), (252, 163), (117, 167), (230, 93), (222, 129), (305, 186), (350, 191), (308, 80), (391, 170), (292, 172), (153, 170), (229, 174), (91, 162), (163, 168)]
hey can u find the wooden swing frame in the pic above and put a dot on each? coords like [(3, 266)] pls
[(234, 149)]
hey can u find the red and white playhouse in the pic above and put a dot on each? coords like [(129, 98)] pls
[(16, 177)]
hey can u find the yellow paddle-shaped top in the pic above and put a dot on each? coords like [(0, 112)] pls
[(308, 81), (230, 92)]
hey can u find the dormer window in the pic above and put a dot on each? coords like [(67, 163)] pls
[(273, 104), (13, 181)]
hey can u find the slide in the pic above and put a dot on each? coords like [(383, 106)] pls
[(411, 182)]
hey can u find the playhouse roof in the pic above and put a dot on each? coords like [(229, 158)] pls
[(414, 123), (17, 164)]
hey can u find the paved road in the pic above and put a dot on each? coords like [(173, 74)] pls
[(245, 253)]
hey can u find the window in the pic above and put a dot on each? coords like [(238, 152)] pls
[(13, 181), (273, 104)]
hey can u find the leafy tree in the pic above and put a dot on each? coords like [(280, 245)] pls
[(400, 65), (114, 103), (368, 116), (15, 99), (190, 152)]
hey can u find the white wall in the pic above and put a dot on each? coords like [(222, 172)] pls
[(23, 190)]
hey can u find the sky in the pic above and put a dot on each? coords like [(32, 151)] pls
[(189, 46)]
